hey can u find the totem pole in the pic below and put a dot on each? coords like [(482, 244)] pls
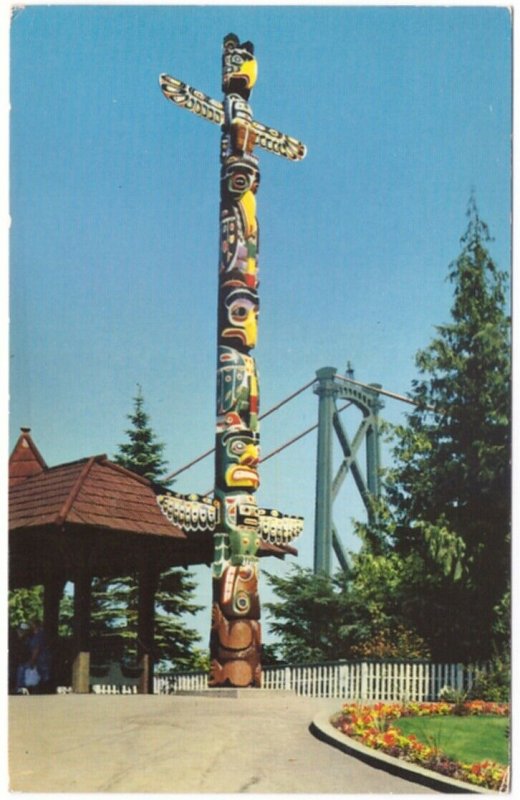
[(232, 516)]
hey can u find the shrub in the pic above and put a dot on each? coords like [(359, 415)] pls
[(457, 697), (493, 685)]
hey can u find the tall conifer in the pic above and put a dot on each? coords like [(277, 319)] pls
[(114, 615), (451, 487)]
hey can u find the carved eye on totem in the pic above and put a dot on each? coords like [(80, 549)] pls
[(242, 602), (242, 313), (239, 182), (238, 447)]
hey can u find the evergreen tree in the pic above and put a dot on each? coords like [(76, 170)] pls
[(344, 616), (450, 489), (115, 601), (115, 620), (432, 577), (142, 453)]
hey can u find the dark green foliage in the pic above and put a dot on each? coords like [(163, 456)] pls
[(27, 604), (142, 453), (433, 574), (448, 496), (270, 656), (494, 683), (322, 618), (174, 641), (308, 618), (115, 601), (115, 616)]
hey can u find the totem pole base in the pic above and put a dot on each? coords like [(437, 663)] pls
[(233, 693)]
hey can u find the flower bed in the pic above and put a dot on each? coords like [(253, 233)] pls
[(374, 726)]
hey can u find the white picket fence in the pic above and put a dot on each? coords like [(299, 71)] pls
[(101, 688), (369, 680)]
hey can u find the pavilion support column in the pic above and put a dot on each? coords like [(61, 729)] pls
[(52, 594), (81, 665), (148, 581)]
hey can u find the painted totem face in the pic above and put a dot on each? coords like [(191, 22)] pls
[(236, 109), (239, 176), (237, 391), (240, 512), (239, 592), (237, 459), (239, 66), (240, 316), (240, 519), (237, 255)]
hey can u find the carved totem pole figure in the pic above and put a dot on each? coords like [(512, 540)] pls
[(232, 516)]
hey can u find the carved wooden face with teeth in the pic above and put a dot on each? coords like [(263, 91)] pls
[(237, 459)]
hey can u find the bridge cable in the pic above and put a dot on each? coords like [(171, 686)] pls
[(296, 438), (261, 416), (290, 397), (289, 442)]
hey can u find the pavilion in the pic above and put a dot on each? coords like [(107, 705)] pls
[(93, 518)]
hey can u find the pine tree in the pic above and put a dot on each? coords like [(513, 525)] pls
[(343, 616), (451, 487), (432, 577), (115, 601), (143, 453)]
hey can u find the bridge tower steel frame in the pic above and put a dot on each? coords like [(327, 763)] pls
[(331, 387)]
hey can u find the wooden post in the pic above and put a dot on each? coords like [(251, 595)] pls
[(52, 594), (148, 580), (81, 665)]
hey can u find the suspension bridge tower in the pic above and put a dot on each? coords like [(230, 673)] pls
[(332, 387)]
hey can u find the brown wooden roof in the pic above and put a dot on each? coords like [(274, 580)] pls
[(60, 514), (25, 460), (92, 491)]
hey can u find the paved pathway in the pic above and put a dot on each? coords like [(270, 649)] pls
[(182, 744)]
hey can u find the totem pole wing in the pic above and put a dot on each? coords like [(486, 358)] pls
[(187, 97), (206, 107), (279, 143), (278, 528), (189, 512)]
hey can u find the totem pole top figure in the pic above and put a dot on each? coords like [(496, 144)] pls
[(238, 75)]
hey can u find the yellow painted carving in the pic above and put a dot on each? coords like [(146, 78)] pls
[(248, 208), (250, 70)]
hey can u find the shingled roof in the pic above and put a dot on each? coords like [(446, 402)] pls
[(93, 503), (92, 491), (25, 460)]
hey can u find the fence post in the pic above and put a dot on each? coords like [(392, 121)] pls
[(288, 686), (364, 680), (460, 677)]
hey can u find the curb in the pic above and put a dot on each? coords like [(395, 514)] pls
[(322, 728)]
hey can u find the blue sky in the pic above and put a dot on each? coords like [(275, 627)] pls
[(114, 206)]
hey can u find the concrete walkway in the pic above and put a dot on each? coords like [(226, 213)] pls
[(258, 742)]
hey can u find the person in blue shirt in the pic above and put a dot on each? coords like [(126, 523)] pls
[(39, 657)]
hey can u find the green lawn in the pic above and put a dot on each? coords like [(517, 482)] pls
[(467, 739)]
